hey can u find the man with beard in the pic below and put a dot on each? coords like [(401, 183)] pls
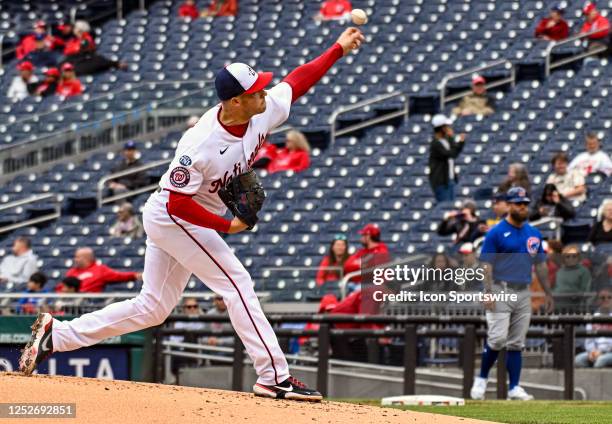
[(510, 250)]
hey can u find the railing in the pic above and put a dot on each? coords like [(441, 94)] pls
[(335, 132), (472, 330), (38, 220), (345, 280), (444, 99), (1, 50), (549, 65), (102, 183), (147, 120)]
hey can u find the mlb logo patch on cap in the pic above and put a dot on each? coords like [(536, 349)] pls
[(239, 78)]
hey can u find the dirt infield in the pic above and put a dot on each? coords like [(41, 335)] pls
[(100, 401)]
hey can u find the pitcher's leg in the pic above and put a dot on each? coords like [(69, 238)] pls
[(220, 270), (164, 280)]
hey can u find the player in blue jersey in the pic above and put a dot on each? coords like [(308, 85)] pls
[(510, 250)]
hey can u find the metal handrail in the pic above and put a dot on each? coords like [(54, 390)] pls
[(334, 132), (102, 182), (343, 283), (1, 49), (108, 295), (547, 220), (44, 218), (549, 65), (455, 75)]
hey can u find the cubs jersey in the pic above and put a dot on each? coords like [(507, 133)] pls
[(512, 251), (207, 156)]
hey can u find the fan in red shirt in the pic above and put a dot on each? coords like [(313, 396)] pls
[(295, 156), (553, 27), (189, 10), (222, 8), (61, 35), (28, 43), (82, 40), (337, 255), (69, 85), (595, 21), (334, 9), (374, 251), (94, 277)]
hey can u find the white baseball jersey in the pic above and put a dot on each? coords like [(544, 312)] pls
[(207, 156)]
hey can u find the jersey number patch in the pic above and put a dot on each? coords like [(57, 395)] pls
[(179, 177)]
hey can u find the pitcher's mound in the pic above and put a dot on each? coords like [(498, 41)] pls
[(102, 401)]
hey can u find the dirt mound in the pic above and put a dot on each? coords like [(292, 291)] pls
[(105, 401)]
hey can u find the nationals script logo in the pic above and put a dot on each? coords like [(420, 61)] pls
[(237, 169)]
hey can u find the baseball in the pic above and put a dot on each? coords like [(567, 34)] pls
[(359, 16)]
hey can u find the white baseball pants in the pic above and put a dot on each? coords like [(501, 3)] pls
[(175, 250)]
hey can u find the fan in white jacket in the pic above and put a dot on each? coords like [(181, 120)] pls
[(593, 160), (18, 90)]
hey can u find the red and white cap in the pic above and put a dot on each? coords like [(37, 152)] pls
[(589, 6), (478, 79), (239, 78), (370, 230)]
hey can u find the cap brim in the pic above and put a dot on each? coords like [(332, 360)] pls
[(522, 200), (263, 79)]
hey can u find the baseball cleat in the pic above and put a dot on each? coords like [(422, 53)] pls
[(478, 388), (40, 345), (291, 388), (518, 393)]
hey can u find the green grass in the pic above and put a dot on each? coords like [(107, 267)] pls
[(534, 412)]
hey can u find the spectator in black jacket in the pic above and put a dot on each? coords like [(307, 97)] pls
[(552, 204), (464, 224), (445, 147), (131, 181)]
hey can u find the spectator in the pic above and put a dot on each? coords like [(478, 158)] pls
[(295, 156), (552, 204), (70, 285), (334, 10), (570, 184), (28, 43), (326, 305), (189, 10), (445, 148), (41, 56), (30, 305), (517, 177), (69, 85), (595, 21), (61, 35), (19, 266), (499, 209), (48, 86), (221, 8), (554, 260), (598, 352), (374, 252), (442, 262), (128, 224), (468, 260), (478, 102), (81, 42), (464, 224), (23, 84), (336, 257), (219, 308), (130, 161), (191, 308), (94, 277), (573, 280), (593, 160), (602, 230), (553, 27)]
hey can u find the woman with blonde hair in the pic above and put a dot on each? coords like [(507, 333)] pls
[(295, 156)]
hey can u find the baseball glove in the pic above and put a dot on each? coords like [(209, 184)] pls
[(244, 196)]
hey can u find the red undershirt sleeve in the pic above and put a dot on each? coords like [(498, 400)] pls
[(302, 78), (184, 207)]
